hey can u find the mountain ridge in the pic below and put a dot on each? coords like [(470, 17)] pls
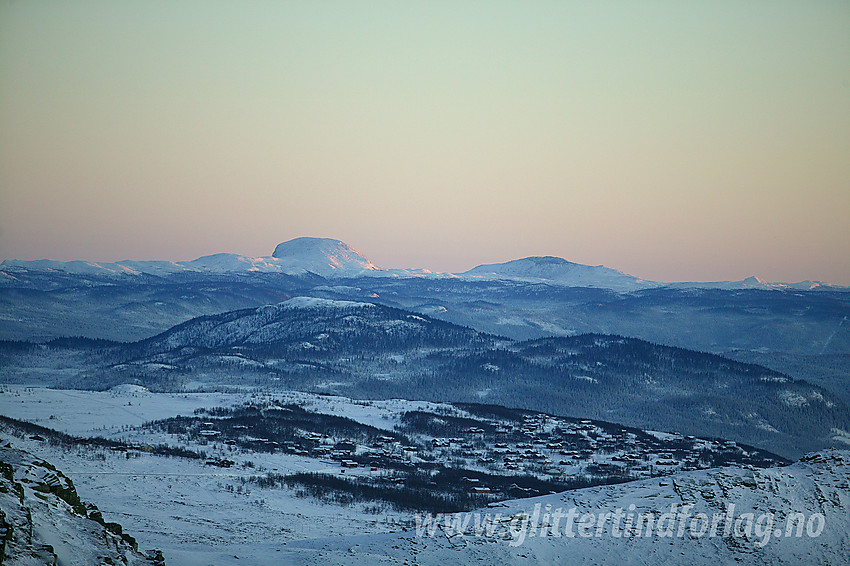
[(370, 350), (331, 258), (560, 271)]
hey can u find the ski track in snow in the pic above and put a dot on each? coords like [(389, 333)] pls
[(831, 336)]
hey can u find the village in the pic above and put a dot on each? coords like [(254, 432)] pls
[(488, 452)]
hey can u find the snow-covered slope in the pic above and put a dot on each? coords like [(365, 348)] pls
[(201, 514), (323, 256), (792, 515), (561, 272), (325, 327), (44, 522)]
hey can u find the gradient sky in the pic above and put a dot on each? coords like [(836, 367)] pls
[(672, 140)]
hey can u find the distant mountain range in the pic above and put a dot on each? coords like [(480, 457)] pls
[(331, 258), (321, 256)]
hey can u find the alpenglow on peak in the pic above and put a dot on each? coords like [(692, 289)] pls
[(327, 252)]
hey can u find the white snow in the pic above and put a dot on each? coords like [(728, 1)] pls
[(841, 435), (322, 256), (43, 528), (314, 303), (751, 282), (197, 514), (558, 271), (764, 501), (129, 388), (201, 515), (332, 258), (792, 399)]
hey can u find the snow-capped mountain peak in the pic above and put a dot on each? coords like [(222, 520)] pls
[(559, 271), (330, 258), (322, 256)]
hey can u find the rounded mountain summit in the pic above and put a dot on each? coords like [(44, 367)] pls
[(322, 256)]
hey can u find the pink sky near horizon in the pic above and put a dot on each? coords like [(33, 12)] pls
[(672, 141)]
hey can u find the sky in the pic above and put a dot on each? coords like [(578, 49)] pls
[(673, 140)]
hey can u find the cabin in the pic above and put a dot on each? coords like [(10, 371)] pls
[(345, 446)]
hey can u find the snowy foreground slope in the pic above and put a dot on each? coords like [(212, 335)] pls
[(43, 521), (763, 530)]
